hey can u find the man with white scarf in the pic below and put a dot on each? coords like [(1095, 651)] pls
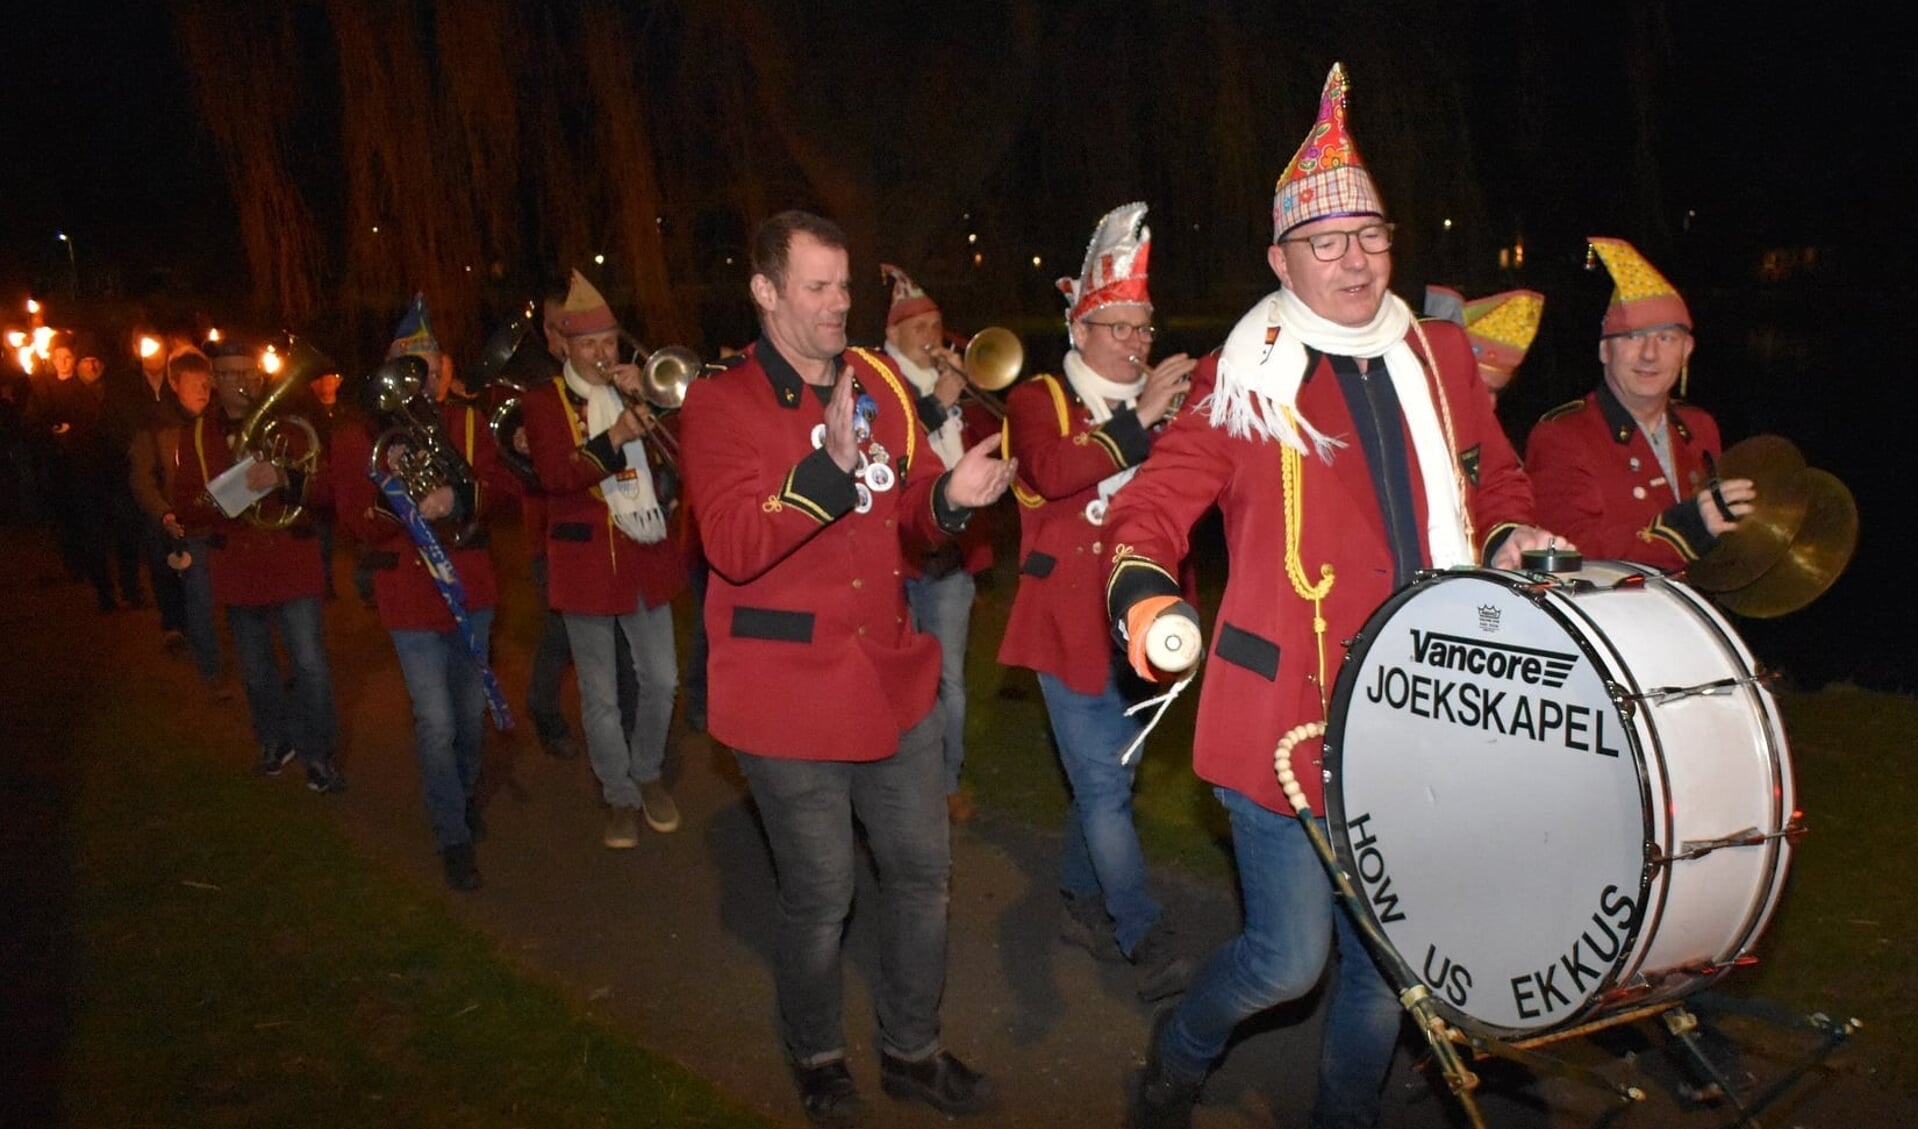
[(939, 577), (1348, 446), (1079, 440), (610, 565)]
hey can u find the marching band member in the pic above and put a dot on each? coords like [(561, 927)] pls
[(1500, 327), (939, 578), (1627, 470), (610, 565), (264, 578), (807, 466), (1079, 440), (1348, 446), (442, 659)]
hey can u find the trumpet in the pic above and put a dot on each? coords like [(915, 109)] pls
[(1178, 399), (992, 360)]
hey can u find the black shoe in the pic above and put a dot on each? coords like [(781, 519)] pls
[(323, 778), (1163, 1100), (1162, 970), (273, 759), (1087, 925), (829, 1095), (942, 1082), (554, 736), (461, 874), (475, 823)]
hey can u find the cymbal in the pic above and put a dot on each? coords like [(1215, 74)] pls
[(1744, 553), (1818, 554)]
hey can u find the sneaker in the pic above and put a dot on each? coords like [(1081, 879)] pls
[(959, 806), (1163, 1100), (323, 778), (942, 1082), (622, 828), (829, 1095), (1086, 923), (272, 759), (475, 823), (461, 873), (662, 814), (1161, 970)]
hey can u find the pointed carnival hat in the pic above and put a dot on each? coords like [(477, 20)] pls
[(415, 334), (1641, 297), (584, 310), (1115, 266), (1326, 177), (1501, 328), (907, 299)]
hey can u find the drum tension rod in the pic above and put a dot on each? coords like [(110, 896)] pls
[(1662, 694), (1749, 837)]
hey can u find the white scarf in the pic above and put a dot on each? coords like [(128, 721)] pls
[(629, 493), (1258, 388), (1095, 390), (949, 440)]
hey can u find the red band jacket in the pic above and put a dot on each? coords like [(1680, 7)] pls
[(971, 550), (1600, 485), (1263, 676), (250, 567), (812, 653), (1058, 623), (592, 568), (403, 589)]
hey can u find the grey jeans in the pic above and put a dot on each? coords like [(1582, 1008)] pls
[(620, 762)]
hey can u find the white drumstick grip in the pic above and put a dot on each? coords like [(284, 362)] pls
[(1172, 643)]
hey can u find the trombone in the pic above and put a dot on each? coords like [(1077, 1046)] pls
[(664, 376), (992, 360)]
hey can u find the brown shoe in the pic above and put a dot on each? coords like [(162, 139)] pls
[(662, 814), (960, 807), (622, 828)]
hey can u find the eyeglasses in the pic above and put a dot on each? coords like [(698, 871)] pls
[(1124, 331), (1331, 246), (1665, 336)]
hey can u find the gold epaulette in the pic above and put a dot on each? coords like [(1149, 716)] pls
[(1563, 410)]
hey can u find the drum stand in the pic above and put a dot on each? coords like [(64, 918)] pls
[(1446, 1038)]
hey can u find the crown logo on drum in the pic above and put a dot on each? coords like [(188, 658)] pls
[(1488, 617)]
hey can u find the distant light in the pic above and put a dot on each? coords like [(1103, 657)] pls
[(469, 268), (729, 260), (63, 237), (978, 258), (965, 215), (33, 307), (1446, 224), (972, 237), (1037, 262), (599, 259), (376, 229)]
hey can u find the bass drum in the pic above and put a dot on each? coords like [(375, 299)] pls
[(1558, 796)]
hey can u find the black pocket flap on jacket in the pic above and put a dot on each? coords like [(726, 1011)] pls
[(771, 623), (1038, 564), (571, 531), (1253, 652)]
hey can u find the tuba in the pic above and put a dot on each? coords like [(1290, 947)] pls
[(268, 428), (514, 358), (413, 446)]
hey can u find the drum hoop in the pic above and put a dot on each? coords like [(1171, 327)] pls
[(1333, 757)]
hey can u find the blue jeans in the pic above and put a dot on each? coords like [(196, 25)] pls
[(449, 722), (1102, 852), (1290, 917), (196, 584), (808, 808), (304, 716), (942, 608), (623, 762)]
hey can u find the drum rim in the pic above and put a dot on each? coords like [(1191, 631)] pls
[(1332, 755)]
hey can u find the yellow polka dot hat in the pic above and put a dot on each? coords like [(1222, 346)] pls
[(1641, 298)]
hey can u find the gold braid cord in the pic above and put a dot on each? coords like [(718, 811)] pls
[(1291, 466)]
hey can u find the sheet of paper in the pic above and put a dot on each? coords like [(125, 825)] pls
[(230, 491)]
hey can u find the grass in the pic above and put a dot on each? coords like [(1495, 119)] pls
[(238, 964)]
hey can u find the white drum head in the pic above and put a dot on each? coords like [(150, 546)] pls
[(1488, 798)]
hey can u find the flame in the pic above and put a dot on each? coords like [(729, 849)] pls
[(212, 336), (149, 347), (270, 361), (33, 307), (15, 338), (42, 342)]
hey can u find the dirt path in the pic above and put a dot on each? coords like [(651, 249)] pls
[(671, 941)]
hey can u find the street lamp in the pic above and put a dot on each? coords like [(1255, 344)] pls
[(72, 264)]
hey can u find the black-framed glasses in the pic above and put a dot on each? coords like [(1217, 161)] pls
[(1331, 246), (1124, 331)]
